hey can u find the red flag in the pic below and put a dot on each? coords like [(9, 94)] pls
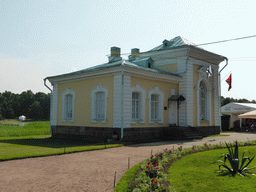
[(229, 81)]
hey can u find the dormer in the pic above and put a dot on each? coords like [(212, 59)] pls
[(146, 62), (167, 44)]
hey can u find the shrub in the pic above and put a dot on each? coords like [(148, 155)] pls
[(233, 158)]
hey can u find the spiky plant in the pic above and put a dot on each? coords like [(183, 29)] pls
[(233, 158)]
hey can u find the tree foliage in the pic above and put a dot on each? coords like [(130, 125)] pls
[(225, 101), (33, 106)]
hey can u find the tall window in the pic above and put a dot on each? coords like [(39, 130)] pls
[(138, 99), (68, 101), (100, 105), (135, 105), (99, 96), (68, 105), (154, 107), (203, 101)]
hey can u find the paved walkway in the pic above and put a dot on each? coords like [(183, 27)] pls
[(88, 171)]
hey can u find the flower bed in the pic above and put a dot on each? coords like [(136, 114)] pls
[(153, 172)]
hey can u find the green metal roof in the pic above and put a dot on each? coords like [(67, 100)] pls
[(173, 43), (178, 42), (138, 64)]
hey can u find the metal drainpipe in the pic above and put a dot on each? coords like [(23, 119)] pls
[(122, 102), (220, 90), (50, 105)]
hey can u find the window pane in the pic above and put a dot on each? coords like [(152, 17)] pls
[(135, 105), (154, 107), (100, 105), (68, 106), (203, 101)]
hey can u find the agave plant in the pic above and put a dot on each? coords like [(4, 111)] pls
[(233, 158)]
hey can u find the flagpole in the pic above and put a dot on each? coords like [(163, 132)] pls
[(226, 75), (220, 92)]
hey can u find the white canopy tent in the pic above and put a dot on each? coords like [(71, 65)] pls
[(248, 115), (235, 109)]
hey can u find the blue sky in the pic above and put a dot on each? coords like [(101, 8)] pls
[(44, 37)]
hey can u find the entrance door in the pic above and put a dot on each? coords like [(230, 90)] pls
[(173, 113)]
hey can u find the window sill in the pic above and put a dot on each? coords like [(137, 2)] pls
[(204, 121), (99, 120), (156, 121), (137, 121), (68, 120)]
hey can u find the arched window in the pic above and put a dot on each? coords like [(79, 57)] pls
[(136, 105), (154, 107), (100, 106), (68, 105), (99, 97), (203, 101)]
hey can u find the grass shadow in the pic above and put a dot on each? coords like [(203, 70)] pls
[(224, 173), (52, 142)]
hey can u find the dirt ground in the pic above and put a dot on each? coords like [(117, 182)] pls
[(91, 171)]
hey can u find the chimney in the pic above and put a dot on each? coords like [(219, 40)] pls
[(115, 54), (135, 52)]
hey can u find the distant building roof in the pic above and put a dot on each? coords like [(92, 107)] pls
[(237, 108)]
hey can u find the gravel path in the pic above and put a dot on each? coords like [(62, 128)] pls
[(91, 171)]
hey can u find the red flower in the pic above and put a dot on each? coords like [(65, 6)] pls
[(147, 167), (152, 180), (156, 164), (156, 167), (146, 171), (166, 149), (148, 163), (156, 181), (152, 155)]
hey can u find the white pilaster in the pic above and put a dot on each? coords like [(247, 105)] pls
[(54, 105), (127, 101)]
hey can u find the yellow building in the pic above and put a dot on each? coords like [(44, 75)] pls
[(164, 92)]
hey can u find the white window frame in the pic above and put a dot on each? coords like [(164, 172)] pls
[(100, 105), (208, 103), (155, 110), (94, 118), (203, 101), (142, 97), (136, 106), (160, 94), (65, 94)]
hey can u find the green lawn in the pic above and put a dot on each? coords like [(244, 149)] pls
[(33, 146), (28, 128), (196, 172), (123, 183), (33, 140)]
